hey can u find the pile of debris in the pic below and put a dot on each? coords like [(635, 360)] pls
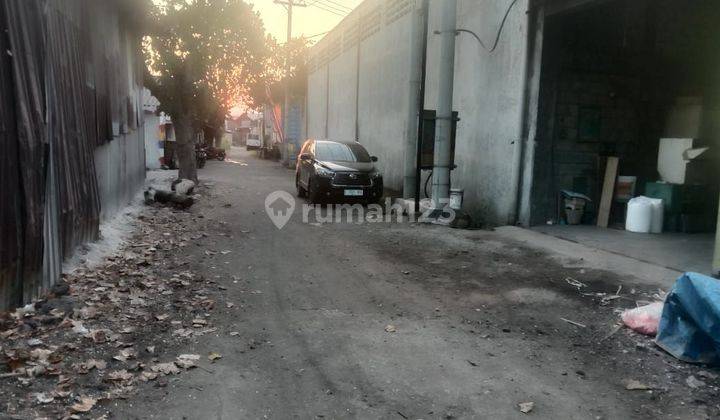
[(103, 332), (181, 196)]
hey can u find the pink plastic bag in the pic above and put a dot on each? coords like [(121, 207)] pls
[(644, 319)]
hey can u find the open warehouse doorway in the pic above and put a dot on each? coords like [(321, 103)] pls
[(640, 85)]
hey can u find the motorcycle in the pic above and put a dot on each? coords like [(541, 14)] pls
[(215, 153), (200, 156)]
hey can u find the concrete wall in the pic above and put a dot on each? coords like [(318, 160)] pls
[(317, 103), (489, 97), (342, 96), (489, 94), (383, 104), (373, 106)]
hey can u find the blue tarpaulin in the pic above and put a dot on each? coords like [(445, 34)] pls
[(690, 324)]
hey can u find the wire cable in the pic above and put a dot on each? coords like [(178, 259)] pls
[(328, 6), (339, 5), (426, 183), (316, 5), (499, 32)]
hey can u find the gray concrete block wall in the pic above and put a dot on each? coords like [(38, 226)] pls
[(489, 97), (381, 93), (317, 103), (343, 94), (384, 92)]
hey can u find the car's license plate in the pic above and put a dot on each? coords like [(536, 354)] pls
[(354, 193)]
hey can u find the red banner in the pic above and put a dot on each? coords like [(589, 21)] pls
[(277, 115)]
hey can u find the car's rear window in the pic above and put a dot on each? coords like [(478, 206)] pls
[(340, 152)]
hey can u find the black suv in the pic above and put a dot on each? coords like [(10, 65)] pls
[(336, 170)]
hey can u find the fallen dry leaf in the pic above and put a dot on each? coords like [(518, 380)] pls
[(198, 322), (635, 385), (91, 364), (84, 405), (44, 398), (168, 368), (526, 407), (125, 354), (41, 355), (187, 361), (98, 336), (119, 375), (148, 376), (79, 328)]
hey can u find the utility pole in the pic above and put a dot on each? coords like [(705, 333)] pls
[(417, 45), (289, 6), (443, 124)]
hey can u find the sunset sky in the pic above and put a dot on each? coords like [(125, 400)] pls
[(318, 17)]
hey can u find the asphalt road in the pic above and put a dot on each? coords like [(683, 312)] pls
[(476, 319)]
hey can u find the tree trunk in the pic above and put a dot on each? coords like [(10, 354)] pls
[(185, 147)]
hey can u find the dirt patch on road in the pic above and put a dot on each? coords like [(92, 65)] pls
[(570, 315)]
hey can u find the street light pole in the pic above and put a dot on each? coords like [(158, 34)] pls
[(289, 5)]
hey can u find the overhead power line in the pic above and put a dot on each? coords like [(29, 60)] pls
[(331, 3), (339, 5), (329, 8)]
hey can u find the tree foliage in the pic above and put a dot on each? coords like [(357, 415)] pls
[(203, 57), (215, 47), (276, 73)]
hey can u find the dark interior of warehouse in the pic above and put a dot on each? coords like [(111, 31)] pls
[(616, 86)]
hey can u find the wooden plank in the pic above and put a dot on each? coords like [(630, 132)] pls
[(607, 191)]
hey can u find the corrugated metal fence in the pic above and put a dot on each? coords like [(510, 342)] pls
[(64, 87)]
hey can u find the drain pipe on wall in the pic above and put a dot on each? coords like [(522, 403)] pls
[(516, 174), (443, 124)]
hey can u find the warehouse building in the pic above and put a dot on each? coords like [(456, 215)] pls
[(547, 93)]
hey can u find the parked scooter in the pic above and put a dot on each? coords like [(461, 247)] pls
[(215, 153), (200, 156)]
